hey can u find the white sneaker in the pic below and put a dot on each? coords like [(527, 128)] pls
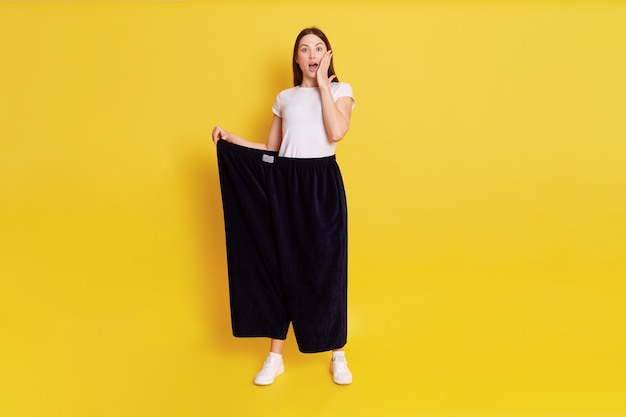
[(340, 371), (272, 367)]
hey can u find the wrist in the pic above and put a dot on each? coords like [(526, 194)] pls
[(324, 87)]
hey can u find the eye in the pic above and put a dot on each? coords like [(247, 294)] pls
[(304, 49), (319, 49)]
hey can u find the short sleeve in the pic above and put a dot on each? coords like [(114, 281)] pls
[(276, 107), (344, 90)]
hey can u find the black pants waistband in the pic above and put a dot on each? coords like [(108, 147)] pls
[(271, 157)]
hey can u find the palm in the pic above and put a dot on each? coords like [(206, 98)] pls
[(322, 71)]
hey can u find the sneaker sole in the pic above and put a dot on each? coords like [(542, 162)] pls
[(339, 382), (281, 371)]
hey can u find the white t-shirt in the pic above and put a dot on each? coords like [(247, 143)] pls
[(300, 109)]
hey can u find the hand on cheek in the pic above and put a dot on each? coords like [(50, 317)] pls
[(322, 71)]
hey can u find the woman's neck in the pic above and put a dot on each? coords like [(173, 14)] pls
[(309, 83)]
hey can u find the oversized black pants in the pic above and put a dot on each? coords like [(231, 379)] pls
[(286, 244)]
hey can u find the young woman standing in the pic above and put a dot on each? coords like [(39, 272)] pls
[(286, 217)]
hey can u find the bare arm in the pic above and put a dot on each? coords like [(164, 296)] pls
[(274, 138), (336, 114)]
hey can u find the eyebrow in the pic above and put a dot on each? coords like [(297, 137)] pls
[(319, 43)]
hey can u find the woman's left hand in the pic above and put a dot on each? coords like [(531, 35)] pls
[(322, 70)]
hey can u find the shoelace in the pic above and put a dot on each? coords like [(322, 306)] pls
[(340, 365), (267, 366)]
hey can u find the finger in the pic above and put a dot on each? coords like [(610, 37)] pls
[(327, 57), (217, 133), (325, 63)]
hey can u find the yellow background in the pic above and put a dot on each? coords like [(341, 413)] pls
[(486, 179)]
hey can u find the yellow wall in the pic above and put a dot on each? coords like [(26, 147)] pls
[(486, 178)]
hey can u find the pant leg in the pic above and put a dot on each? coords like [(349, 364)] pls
[(310, 214), (257, 296)]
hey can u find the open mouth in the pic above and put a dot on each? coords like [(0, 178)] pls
[(313, 66)]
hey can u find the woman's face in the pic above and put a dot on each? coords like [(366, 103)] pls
[(310, 52)]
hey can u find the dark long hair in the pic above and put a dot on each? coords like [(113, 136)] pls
[(297, 71)]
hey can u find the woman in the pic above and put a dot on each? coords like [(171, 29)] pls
[(286, 218)]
